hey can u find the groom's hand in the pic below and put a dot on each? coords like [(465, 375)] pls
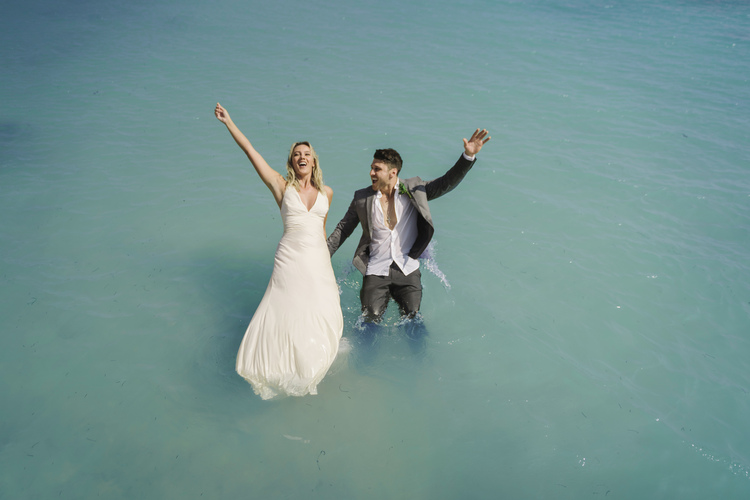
[(474, 145)]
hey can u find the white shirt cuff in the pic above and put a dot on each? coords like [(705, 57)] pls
[(470, 158)]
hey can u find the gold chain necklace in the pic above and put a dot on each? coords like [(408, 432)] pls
[(387, 211)]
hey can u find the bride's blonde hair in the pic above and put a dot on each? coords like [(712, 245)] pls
[(291, 175)]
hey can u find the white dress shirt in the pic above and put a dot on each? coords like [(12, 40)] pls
[(388, 246)]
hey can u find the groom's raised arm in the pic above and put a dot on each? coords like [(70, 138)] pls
[(343, 229), (445, 183)]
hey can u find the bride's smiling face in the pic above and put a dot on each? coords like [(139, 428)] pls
[(302, 160)]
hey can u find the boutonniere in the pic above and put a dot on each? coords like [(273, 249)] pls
[(402, 189)]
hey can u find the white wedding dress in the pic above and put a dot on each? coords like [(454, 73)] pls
[(294, 335)]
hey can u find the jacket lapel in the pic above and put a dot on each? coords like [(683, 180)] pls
[(368, 207)]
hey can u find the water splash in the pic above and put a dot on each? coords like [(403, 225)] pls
[(735, 467), (429, 262)]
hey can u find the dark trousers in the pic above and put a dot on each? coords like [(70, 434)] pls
[(376, 291)]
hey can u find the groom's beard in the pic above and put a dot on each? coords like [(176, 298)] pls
[(379, 184)]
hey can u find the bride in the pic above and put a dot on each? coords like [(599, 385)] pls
[(294, 335)]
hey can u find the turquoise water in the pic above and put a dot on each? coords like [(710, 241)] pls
[(589, 311)]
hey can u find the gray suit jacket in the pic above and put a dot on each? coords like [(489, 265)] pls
[(360, 212)]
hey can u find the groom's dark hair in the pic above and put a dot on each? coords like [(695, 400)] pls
[(390, 157)]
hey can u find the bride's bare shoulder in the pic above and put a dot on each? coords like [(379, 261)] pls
[(329, 193)]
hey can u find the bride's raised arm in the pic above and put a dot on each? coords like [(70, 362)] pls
[(275, 182)]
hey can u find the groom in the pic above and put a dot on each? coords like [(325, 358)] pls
[(396, 229)]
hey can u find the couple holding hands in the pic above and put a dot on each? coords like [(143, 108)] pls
[(295, 332)]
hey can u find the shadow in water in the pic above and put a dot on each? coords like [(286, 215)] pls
[(14, 138), (233, 287), (367, 338)]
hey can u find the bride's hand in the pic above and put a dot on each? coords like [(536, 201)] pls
[(221, 114)]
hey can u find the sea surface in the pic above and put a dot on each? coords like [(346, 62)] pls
[(587, 298)]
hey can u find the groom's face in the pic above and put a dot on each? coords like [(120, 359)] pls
[(381, 175)]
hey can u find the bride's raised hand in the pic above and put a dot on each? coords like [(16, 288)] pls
[(221, 114), (270, 177)]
